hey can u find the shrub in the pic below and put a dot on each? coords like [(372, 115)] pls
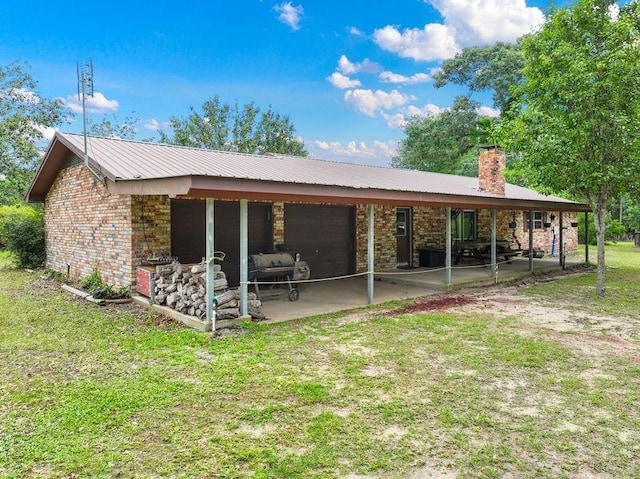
[(22, 233), (93, 281)]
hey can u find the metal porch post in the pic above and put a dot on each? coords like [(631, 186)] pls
[(210, 248), (531, 241), (370, 252), (244, 256), (494, 259), (447, 259)]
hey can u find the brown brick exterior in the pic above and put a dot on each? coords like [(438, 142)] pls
[(429, 231), (491, 165), (277, 210), (87, 227)]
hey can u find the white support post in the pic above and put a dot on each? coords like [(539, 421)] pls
[(210, 248), (244, 256), (494, 256), (370, 253), (447, 259)]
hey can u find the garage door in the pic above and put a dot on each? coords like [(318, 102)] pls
[(188, 235), (323, 235)]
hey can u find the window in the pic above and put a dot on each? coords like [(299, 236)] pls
[(401, 222), (539, 219), (463, 225)]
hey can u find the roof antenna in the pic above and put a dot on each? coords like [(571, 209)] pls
[(85, 88)]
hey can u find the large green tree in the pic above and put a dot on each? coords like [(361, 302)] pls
[(221, 126), (578, 116), (495, 68), (24, 116), (445, 142)]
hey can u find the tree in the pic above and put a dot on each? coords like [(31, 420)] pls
[(112, 128), (24, 116), (497, 67), (578, 114), (222, 127), (445, 142)]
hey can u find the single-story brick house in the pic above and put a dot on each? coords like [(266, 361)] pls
[(127, 201)]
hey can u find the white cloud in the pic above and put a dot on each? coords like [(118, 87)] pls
[(290, 15), (466, 22), (488, 21), (368, 101), (341, 81), (154, 125), (488, 111), (47, 132), (378, 153), (356, 32), (21, 95), (390, 77), (400, 119), (97, 103), (349, 68), (433, 42)]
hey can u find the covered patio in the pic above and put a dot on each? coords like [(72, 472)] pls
[(328, 297)]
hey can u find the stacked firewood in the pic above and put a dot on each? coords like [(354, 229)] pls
[(183, 288)]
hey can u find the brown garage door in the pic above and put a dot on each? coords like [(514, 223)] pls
[(323, 235), (188, 235)]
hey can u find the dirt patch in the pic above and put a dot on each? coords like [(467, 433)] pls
[(431, 304)]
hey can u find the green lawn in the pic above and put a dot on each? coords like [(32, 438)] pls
[(90, 392)]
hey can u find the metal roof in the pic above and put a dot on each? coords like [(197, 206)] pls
[(133, 167)]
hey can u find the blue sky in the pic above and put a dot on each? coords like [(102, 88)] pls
[(347, 73)]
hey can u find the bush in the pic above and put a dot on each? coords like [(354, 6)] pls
[(613, 229), (22, 233)]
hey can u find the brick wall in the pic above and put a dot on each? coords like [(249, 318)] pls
[(150, 228), (429, 231), (277, 210), (87, 228)]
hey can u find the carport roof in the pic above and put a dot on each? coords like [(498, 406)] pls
[(131, 167)]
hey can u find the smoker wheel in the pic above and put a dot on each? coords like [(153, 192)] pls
[(294, 294)]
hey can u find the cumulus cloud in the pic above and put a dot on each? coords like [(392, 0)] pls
[(347, 67), (154, 125), (433, 42), (488, 111), (369, 102), (401, 118), (465, 23), (289, 14), (488, 21), (97, 103), (390, 77), (377, 153), (341, 81), (356, 32)]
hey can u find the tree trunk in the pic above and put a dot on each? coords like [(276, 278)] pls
[(599, 213)]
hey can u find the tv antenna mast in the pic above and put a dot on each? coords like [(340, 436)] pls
[(85, 88)]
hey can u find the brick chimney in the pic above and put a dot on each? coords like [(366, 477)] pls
[(491, 163)]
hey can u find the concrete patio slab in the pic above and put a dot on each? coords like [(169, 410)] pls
[(333, 296)]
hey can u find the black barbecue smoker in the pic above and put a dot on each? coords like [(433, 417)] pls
[(281, 268)]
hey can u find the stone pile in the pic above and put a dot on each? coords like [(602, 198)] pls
[(183, 288)]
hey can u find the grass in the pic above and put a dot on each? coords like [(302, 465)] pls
[(622, 284), (101, 393)]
